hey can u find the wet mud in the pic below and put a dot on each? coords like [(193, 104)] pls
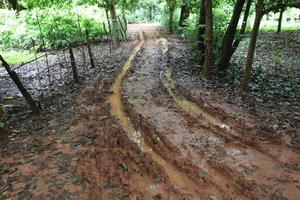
[(134, 133), (211, 145)]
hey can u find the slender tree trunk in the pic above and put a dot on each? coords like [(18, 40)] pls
[(252, 45), (280, 21), (109, 25), (184, 14), (171, 7), (2, 4), (73, 66), (16, 79), (150, 13), (171, 15), (209, 57), (243, 28), (201, 32), (115, 25), (227, 44), (14, 4)]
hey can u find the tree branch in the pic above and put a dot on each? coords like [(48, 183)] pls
[(280, 5)]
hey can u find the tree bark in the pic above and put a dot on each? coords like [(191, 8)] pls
[(227, 44), (114, 19), (243, 28), (89, 49), (73, 66), (150, 13), (201, 32), (171, 7), (184, 14), (14, 4), (280, 21), (281, 5), (14, 76), (171, 15), (251, 49), (209, 57)]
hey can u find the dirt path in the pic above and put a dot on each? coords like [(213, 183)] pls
[(198, 143), (132, 134)]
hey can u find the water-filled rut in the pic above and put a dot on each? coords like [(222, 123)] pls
[(176, 177), (229, 165)]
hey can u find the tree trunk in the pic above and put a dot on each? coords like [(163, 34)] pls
[(171, 15), (115, 25), (89, 49), (14, 4), (16, 79), (150, 13), (201, 32), (280, 21), (109, 25), (252, 45), (171, 7), (2, 4), (184, 14), (227, 44), (209, 57), (243, 28), (73, 66)]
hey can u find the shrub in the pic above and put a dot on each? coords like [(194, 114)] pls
[(60, 28)]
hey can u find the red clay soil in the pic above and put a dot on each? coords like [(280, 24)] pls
[(135, 135)]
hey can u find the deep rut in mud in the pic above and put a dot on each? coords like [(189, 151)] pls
[(202, 156), (177, 178)]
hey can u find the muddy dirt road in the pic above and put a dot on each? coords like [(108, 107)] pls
[(196, 142), (135, 135)]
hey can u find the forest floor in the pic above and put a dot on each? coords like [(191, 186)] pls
[(150, 128)]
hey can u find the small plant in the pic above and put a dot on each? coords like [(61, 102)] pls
[(237, 114), (238, 181), (202, 174), (154, 137)]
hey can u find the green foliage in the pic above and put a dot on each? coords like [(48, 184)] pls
[(165, 19), (191, 30), (16, 57), (62, 27), (221, 20), (59, 28)]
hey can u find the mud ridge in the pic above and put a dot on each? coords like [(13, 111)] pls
[(158, 145)]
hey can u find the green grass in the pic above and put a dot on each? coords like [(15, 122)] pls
[(284, 28), (271, 26), (13, 57)]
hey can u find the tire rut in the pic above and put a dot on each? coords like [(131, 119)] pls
[(243, 168), (187, 187)]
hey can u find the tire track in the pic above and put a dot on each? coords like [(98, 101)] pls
[(226, 164), (268, 166), (180, 181)]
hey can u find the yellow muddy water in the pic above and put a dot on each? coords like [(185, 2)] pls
[(187, 105), (180, 180), (265, 164)]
